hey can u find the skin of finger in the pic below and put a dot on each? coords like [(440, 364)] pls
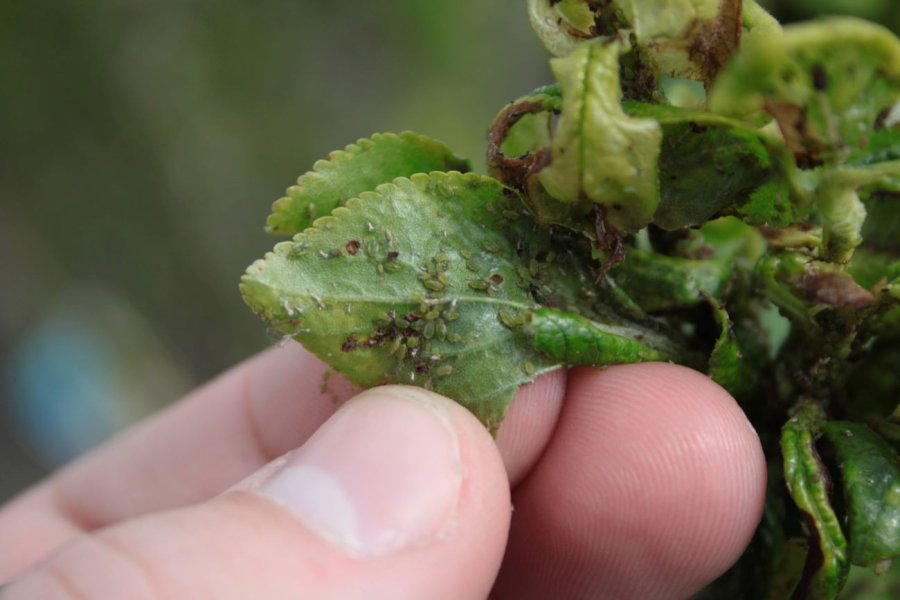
[(241, 545), (216, 436), (652, 486), (188, 453)]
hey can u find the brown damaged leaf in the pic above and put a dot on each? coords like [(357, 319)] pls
[(838, 290), (717, 40)]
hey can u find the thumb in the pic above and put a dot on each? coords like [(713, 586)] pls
[(400, 494)]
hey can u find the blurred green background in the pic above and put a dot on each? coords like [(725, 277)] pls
[(141, 144)]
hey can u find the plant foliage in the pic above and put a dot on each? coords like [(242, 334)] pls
[(694, 188)]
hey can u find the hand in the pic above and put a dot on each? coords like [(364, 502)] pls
[(641, 481)]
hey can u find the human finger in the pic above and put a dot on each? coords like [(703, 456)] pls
[(217, 435), (651, 487)]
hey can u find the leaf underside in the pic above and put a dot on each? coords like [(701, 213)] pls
[(406, 285)]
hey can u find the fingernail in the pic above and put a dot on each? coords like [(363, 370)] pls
[(382, 474)]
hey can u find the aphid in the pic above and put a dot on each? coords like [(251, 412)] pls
[(513, 320), (443, 370)]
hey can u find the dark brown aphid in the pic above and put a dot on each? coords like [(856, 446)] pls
[(819, 78)]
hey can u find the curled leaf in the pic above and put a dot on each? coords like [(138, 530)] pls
[(689, 39), (519, 147), (842, 210), (358, 168), (686, 38), (659, 282), (520, 135), (870, 472), (711, 165), (828, 84), (561, 24), (727, 365), (808, 482), (600, 154)]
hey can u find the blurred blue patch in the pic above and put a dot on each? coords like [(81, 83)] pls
[(89, 369)]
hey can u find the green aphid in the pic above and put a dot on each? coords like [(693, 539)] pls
[(443, 370), (401, 351), (513, 320)]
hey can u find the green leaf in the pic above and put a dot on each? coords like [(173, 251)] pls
[(882, 223), (727, 365), (712, 165), (883, 144), (599, 153), (870, 471), (358, 168), (575, 340), (415, 283), (828, 84), (659, 282), (808, 483)]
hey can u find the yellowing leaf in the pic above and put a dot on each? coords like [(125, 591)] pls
[(600, 154)]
